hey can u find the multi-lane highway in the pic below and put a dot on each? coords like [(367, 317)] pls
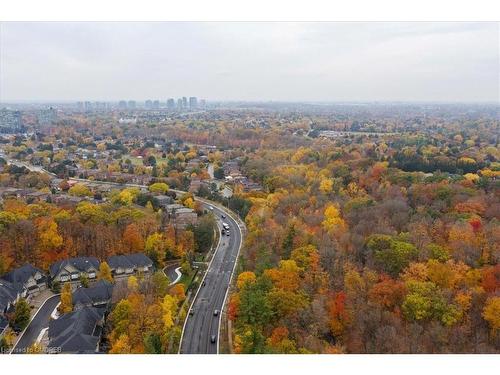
[(201, 329)]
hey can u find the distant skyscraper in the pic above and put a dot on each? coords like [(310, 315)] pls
[(156, 104), (47, 117), (122, 104), (148, 104), (101, 106), (193, 102), (88, 106), (10, 121), (131, 104), (203, 103), (171, 104), (184, 102), (179, 104)]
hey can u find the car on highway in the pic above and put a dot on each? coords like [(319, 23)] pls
[(227, 233), (223, 216), (191, 312), (216, 312), (213, 339)]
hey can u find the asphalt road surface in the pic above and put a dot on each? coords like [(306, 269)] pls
[(200, 326), (39, 322), (170, 272)]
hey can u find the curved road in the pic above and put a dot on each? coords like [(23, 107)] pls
[(171, 273), (39, 321), (203, 324)]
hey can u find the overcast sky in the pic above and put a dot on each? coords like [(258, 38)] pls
[(250, 61)]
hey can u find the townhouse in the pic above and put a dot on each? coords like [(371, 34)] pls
[(130, 264), (73, 269)]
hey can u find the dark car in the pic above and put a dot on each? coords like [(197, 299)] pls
[(191, 312), (213, 339), (223, 216)]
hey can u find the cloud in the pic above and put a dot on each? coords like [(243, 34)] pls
[(250, 61)]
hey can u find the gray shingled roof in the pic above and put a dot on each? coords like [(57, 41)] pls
[(22, 274), (129, 261), (8, 293), (100, 291), (76, 332), (82, 264)]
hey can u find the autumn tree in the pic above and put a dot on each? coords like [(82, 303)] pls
[(66, 305), (105, 272), (21, 317), (133, 239)]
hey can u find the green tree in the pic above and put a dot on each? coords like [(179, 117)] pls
[(21, 316), (204, 233), (255, 308), (152, 344), (393, 255), (219, 173), (287, 245)]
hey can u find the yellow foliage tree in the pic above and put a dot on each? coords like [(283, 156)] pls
[(132, 284), (105, 272), (245, 278), (169, 308), (491, 313), (326, 185), (121, 346), (332, 218), (66, 305)]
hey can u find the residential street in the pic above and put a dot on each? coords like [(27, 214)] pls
[(38, 322)]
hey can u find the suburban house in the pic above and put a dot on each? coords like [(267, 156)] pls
[(181, 216), (77, 332), (164, 200), (10, 293), (32, 279), (98, 295), (130, 264), (72, 269)]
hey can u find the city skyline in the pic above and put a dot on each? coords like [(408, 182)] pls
[(289, 62)]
